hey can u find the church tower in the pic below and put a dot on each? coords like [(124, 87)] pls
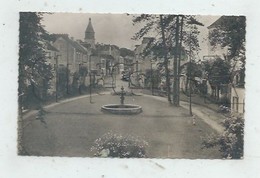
[(90, 35)]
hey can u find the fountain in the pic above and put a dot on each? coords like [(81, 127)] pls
[(122, 108)]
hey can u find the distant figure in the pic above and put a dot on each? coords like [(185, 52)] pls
[(193, 119)]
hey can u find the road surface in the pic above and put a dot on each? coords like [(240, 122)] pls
[(72, 127)]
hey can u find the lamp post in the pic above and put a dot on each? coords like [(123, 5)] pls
[(57, 78), (129, 75), (67, 56), (90, 81), (79, 77), (152, 77)]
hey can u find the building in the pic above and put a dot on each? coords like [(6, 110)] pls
[(142, 57), (102, 56), (72, 53), (109, 58), (217, 50), (235, 90), (73, 57), (53, 55), (89, 39), (238, 92)]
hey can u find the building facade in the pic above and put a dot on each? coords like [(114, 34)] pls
[(74, 58)]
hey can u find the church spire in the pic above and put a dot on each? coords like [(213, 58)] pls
[(90, 27), (90, 34)]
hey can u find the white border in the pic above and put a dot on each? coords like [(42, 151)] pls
[(12, 165)]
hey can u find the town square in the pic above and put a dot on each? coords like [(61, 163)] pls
[(131, 85)]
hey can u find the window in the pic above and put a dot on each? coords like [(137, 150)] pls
[(235, 103), (244, 106)]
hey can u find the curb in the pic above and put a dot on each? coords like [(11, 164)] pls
[(213, 124), (29, 113)]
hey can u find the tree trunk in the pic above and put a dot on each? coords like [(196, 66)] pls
[(175, 64), (186, 84), (165, 61), (179, 63)]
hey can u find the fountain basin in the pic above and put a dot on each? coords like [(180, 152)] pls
[(122, 108)]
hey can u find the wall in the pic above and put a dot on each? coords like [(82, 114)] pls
[(217, 50), (239, 94)]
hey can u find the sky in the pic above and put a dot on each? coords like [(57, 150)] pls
[(114, 29)]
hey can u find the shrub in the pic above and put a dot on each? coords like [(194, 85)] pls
[(231, 141), (224, 109), (224, 101), (116, 145)]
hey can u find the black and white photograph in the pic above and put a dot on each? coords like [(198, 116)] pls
[(108, 85), (129, 89)]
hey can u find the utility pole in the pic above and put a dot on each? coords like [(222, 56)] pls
[(90, 81), (67, 85), (57, 78), (137, 75), (152, 78), (175, 64), (165, 51)]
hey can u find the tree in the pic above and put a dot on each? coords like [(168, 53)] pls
[(196, 71), (78, 81), (152, 78), (219, 75), (126, 52), (169, 34), (229, 31), (34, 72), (231, 141), (62, 80)]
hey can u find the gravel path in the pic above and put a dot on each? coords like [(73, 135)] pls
[(73, 126)]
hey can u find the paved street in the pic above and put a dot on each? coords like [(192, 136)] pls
[(72, 127)]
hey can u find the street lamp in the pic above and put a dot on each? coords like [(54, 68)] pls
[(90, 81), (56, 82), (152, 77)]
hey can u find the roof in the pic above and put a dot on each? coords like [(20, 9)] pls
[(106, 47), (90, 28), (139, 49), (79, 47), (107, 56), (216, 23), (73, 43), (147, 40), (50, 47), (219, 21)]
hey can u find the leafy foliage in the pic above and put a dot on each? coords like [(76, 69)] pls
[(153, 78), (230, 32), (192, 70), (126, 52), (117, 145), (62, 80), (219, 73), (231, 142), (34, 72), (151, 26)]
